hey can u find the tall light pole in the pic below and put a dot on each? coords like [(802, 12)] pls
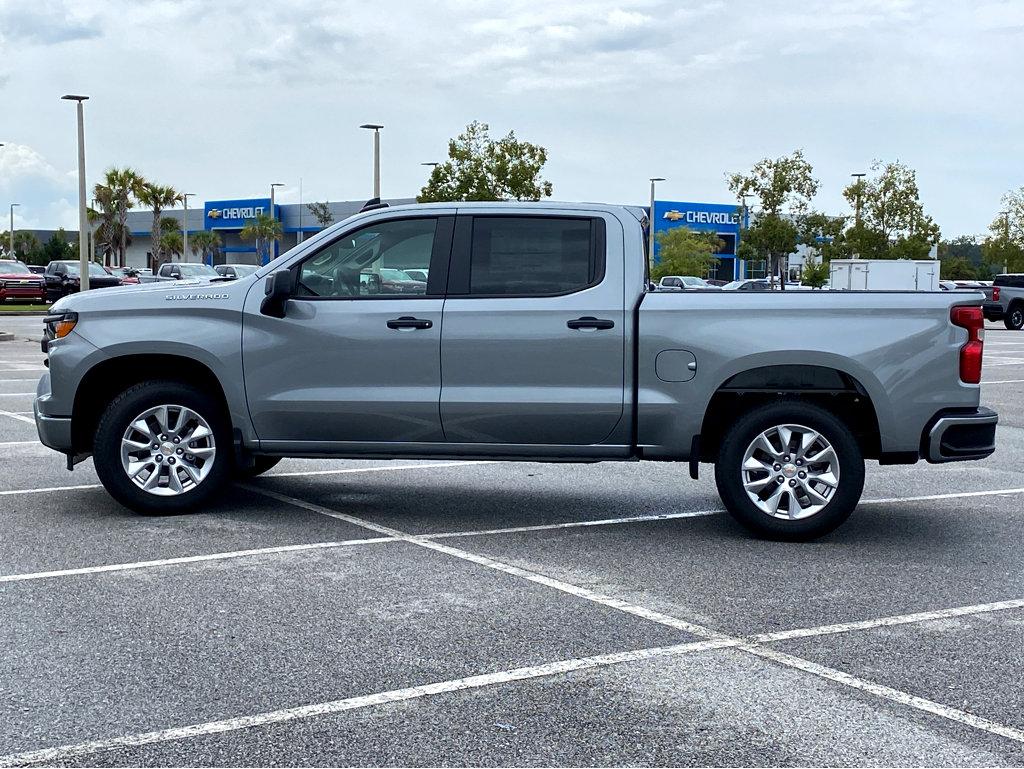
[(184, 224), (376, 155), (273, 211), (83, 220), (12, 228), (1006, 240), (856, 209), (650, 219), (739, 274)]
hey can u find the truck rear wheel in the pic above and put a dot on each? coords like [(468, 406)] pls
[(1014, 318), (163, 447), (790, 470)]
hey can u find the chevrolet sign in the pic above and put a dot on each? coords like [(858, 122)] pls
[(233, 214)]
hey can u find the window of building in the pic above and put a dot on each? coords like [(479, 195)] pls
[(371, 261), (757, 268), (533, 256)]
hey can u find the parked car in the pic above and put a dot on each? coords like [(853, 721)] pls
[(684, 282), (19, 284), (63, 278), (417, 274), (128, 275), (566, 357), (37, 269), (716, 282), (235, 270), (752, 284), (394, 281), (180, 271)]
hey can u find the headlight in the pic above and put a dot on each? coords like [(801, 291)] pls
[(60, 325)]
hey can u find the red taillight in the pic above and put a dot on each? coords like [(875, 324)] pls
[(995, 294), (971, 319)]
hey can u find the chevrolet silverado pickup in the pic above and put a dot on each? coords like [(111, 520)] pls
[(535, 337)]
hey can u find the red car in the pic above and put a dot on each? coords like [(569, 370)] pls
[(19, 283)]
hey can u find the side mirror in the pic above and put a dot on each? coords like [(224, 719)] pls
[(278, 289)]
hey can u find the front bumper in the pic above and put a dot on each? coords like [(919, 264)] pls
[(956, 436), (993, 311), (54, 432)]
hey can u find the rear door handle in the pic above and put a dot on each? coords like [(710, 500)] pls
[(588, 321), (407, 321)]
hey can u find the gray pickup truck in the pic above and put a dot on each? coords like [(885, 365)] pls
[(535, 337)]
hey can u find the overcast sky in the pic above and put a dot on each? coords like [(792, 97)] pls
[(222, 97)]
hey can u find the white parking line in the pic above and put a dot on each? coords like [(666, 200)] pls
[(12, 395), (21, 379), (1001, 381), (65, 752), (19, 417), (667, 620), (191, 559), (14, 492), (576, 524), (19, 443)]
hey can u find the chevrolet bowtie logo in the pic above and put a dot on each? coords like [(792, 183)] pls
[(214, 213), (673, 216)]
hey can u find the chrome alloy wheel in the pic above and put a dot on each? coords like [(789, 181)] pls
[(168, 450), (790, 472)]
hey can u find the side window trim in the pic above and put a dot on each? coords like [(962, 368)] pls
[(440, 255), (462, 248)]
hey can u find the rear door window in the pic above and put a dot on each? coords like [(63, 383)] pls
[(531, 256)]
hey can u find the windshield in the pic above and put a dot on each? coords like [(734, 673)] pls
[(734, 285), (694, 282), (196, 270), (94, 269), (392, 274), (244, 270), (12, 268)]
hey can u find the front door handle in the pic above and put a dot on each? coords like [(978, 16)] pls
[(590, 322), (407, 321)]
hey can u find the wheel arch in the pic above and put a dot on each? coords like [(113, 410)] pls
[(111, 376), (836, 390)]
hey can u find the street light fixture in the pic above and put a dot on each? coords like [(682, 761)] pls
[(12, 228), (184, 224), (1006, 238), (376, 155), (83, 220), (856, 210), (650, 219), (432, 165)]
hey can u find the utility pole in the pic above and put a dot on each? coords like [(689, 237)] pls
[(83, 220), (184, 225), (12, 229), (650, 220), (856, 210), (376, 155), (1006, 240)]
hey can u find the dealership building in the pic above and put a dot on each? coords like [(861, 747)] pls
[(227, 218), (722, 219)]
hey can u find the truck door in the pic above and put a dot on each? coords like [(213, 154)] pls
[(357, 356), (533, 340)]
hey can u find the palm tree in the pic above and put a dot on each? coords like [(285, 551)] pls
[(171, 243), (206, 243), (107, 230), (158, 197), (124, 184), (264, 229)]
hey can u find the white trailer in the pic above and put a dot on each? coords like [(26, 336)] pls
[(884, 275)]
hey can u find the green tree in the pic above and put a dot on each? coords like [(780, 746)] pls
[(26, 246), (205, 244), (322, 213), (264, 229), (683, 251), (816, 271), (892, 222), (123, 186), (480, 168), (1003, 247), (783, 187), (171, 243), (58, 248), (957, 268), (157, 197)]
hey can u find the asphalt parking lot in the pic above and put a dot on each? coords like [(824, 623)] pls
[(435, 613)]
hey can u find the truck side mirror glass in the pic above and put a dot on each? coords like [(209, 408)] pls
[(278, 289)]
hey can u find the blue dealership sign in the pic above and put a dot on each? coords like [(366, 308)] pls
[(233, 214), (720, 218)]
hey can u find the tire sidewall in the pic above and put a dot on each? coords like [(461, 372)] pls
[(1015, 317), (114, 422), (728, 474)]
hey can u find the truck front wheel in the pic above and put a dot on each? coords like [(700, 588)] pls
[(790, 470), (163, 447)]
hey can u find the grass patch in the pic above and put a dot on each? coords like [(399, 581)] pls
[(16, 307)]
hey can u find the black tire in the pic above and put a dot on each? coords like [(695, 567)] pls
[(1014, 318), (115, 421), (260, 465), (729, 473)]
